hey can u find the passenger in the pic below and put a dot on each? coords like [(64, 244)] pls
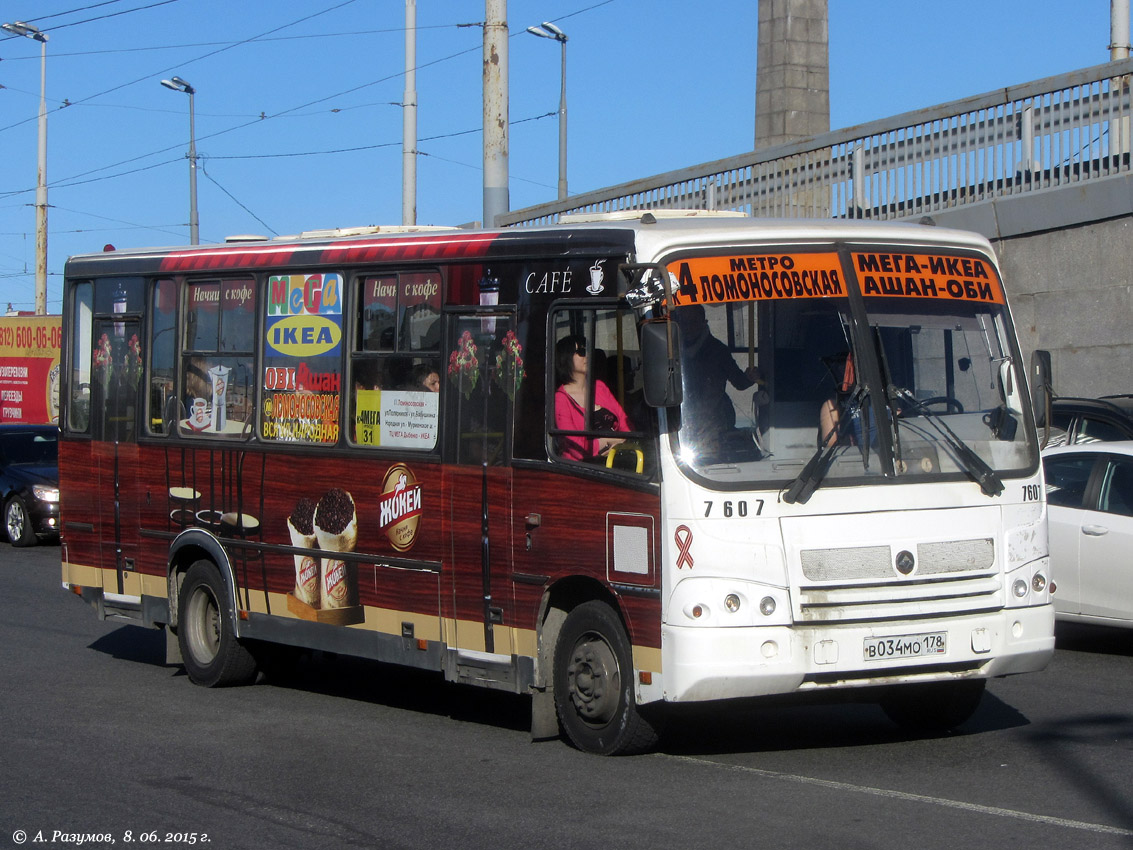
[(708, 367), (831, 430), (841, 366), (425, 377), (570, 398), (366, 375)]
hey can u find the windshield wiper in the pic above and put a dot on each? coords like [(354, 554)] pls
[(990, 482), (801, 489)]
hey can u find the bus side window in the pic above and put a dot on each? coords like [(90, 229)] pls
[(301, 358), (596, 412), (217, 384), (105, 357), (395, 370), (484, 382), (79, 398), (399, 392), (164, 407)]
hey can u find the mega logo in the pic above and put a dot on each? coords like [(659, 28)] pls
[(304, 314), (400, 507)]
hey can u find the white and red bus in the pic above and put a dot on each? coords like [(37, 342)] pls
[(809, 462)]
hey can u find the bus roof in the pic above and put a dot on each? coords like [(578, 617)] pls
[(648, 235)]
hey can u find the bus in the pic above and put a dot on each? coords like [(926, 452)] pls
[(618, 462)]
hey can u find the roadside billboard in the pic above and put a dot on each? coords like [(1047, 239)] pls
[(29, 368)]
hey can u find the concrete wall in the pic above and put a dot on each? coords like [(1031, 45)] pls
[(1072, 293), (1067, 261)]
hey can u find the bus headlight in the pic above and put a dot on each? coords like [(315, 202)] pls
[(1030, 585), (727, 603), (695, 612)]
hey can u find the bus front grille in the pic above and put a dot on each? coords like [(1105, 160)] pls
[(899, 600), (880, 562)]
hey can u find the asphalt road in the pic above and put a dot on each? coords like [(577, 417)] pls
[(102, 739)]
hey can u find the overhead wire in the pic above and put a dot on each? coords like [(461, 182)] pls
[(219, 50), (101, 17), (293, 109), (86, 8), (76, 180), (237, 201), (259, 40), (64, 181)]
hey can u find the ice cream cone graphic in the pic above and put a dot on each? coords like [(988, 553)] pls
[(300, 525), (336, 529)]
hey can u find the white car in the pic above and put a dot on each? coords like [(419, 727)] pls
[(1089, 490)]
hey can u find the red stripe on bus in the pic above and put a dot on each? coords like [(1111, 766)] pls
[(436, 247)]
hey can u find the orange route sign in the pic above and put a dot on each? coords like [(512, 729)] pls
[(819, 274), (931, 276), (757, 277)]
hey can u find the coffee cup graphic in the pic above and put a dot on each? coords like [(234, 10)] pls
[(596, 278), (198, 414)]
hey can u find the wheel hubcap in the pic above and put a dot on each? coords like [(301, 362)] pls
[(204, 625), (15, 522), (594, 679)]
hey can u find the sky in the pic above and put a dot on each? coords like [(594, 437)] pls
[(298, 121)]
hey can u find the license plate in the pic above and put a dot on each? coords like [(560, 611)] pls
[(905, 646)]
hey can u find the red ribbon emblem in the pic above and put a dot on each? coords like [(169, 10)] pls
[(683, 539)]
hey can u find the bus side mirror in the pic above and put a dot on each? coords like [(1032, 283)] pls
[(661, 363), (1042, 386)]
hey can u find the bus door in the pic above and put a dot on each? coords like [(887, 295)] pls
[(479, 400), (117, 378)]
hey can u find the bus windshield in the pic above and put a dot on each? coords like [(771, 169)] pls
[(802, 391)]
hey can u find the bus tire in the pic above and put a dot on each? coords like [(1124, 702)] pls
[(17, 523), (210, 651), (935, 706), (593, 684)]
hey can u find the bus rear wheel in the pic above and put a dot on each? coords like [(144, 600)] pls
[(935, 706), (212, 655), (593, 683)]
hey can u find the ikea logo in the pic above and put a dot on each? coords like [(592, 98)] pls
[(304, 336)]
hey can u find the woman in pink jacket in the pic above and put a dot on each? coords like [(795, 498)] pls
[(571, 369)]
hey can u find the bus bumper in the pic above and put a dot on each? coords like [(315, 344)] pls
[(725, 663)]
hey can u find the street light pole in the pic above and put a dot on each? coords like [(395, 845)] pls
[(178, 84), (549, 30), (20, 28), (495, 116), (409, 119)]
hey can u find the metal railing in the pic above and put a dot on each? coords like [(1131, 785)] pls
[(1045, 134)]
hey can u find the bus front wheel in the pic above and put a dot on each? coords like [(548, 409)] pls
[(212, 654), (935, 706), (593, 683)]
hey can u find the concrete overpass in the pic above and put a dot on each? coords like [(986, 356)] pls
[(1042, 170)]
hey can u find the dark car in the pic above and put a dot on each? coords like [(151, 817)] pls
[(1074, 421), (29, 482)]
